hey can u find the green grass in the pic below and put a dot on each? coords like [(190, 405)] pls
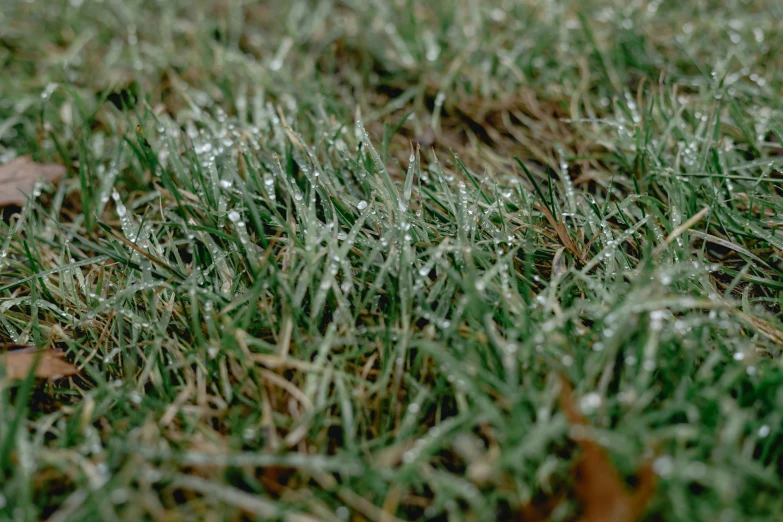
[(285, 309)]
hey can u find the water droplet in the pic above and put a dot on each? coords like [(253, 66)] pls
[(590, 402), (663, 466)]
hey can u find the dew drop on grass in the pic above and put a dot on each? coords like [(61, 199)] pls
[(663, 466), (361, 205), (590, 402), (125, 221), (497, 14), (47, 92), (120, 207)]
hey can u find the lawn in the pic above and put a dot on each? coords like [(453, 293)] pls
[(393, 260)]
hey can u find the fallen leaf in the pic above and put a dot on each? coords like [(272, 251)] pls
[(559, 265), (599, 486), (17, 364), (18, 178)]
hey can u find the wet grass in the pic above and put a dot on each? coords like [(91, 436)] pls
[(330, 259)]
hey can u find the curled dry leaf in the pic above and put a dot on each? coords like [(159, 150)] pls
[(17, 364), (559, 265), (18, 178)]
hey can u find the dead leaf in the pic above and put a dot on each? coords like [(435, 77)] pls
[(599, 486), (559, 265), (17, 364), (18, 178)]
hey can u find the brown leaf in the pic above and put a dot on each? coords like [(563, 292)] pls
[(17, 364), (559, 265), (18, 178), (599, 486)]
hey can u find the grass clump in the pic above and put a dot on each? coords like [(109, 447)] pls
[(330, 260)]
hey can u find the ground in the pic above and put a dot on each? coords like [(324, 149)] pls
[(344, 260)]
